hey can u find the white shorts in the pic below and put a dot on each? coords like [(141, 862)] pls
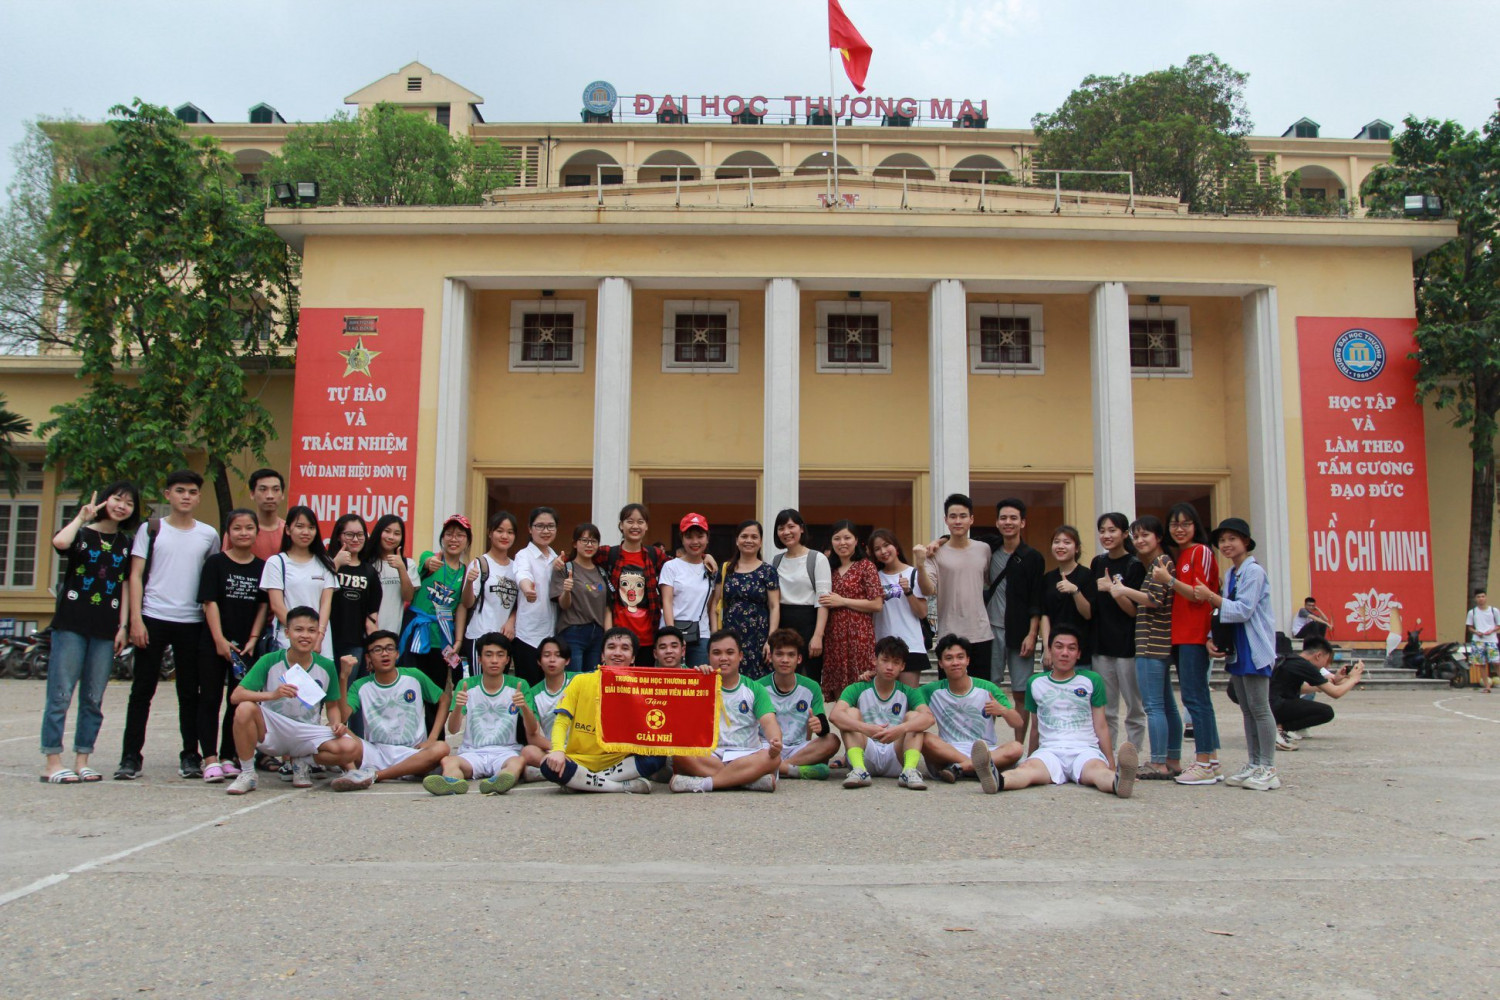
[(731, 754), (290, 738), (1065, 764), (793, 749), (487, 761), (883, 760), (383, 755)]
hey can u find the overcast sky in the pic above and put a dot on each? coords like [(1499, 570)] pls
[(1339, 63)]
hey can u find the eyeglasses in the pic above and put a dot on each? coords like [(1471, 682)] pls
[(381, 649), (539, 526), (352, 534)]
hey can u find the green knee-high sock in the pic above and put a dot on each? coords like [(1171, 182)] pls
[(911, 758), (857, 758)]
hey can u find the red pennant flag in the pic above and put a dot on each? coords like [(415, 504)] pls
[(842, 35)]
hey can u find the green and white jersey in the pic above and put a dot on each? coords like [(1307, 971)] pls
[(793, 707), (393, 712), (269, 673), (878, 711), (960, 718), (491, 720), (1064, 710), (739, 722), (544, 703)]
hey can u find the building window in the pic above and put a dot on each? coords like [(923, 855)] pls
[(19, 531), (700, 335), (1005, 338), (854, 336), (413, 84), (444, 114), (546, 335), (1161, 340), (66, 511)]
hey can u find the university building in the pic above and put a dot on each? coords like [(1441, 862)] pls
[(688, 305)]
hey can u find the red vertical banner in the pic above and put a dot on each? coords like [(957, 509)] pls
[(354, 412), (1365, 453)]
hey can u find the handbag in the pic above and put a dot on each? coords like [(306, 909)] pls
[(692, 631), (1221, 634)]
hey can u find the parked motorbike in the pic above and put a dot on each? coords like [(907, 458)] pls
[(1446, 661)]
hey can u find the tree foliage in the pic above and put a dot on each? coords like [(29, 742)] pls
[(12, 426), (390, 156), (1457, 291), (1180, 131), (174, 287)]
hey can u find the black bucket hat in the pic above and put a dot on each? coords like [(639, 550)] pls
[(1239, 526)]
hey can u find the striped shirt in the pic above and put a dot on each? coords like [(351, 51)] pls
[(1250, 608), (1153, 626)]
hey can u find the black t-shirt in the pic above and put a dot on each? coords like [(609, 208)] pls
[(357, 597), (1289, 676), (93, 584), (235, 588), (1061, 610), (1114, 630)]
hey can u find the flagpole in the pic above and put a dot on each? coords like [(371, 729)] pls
[(834, 118)]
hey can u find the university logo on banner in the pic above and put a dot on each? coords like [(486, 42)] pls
[(354, 412), (1365, 461)]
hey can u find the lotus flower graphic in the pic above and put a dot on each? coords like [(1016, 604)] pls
[(1372, 611)]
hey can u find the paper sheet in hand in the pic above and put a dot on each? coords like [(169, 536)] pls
[(309, 691)]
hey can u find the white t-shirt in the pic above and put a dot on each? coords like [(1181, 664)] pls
[(501, 593), (177, 558), (796, 586), (690, 585), (1478, 620), (534, 618), (301, 585), (391, 605), (896, 617)]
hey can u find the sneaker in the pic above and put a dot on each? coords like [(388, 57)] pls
[(533, 773), (858, 778), (499, 784), (1297, 734), (1201, 773), (1264, 779), (688, 783), (242, 783), (301, 773), (1127, 761), (213, 774), (949, 775), (636, 786), (984, 768), (284, 772), (229, 767), (811, 772), (1283, 744), (765, 783), (912, 778), (129, 769), (439, 784), (352, 781), (1237, 779), (189, 765)]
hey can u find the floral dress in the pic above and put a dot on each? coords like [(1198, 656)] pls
[(849, 639), (747, 610)]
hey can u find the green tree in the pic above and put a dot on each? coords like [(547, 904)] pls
[(12, 426), (390, 156), (174, 287), (1457, 292), (1181, 132)]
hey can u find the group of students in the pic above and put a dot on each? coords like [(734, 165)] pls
[(468, 636)]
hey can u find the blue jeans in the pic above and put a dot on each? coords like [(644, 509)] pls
[(1192, 673), (1163, 723), (76, 661), (697, 653), (586, 645)]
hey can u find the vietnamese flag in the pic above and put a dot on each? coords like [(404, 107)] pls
[(842, 35)]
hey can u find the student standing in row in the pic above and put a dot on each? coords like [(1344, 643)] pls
[(687, 588), (1190, 618), (1013, 602), (803, 576), (636, 606), (1153, 647), (89, 625), (267, 490), (1114, 628), (750, 596), (534, 618), (355, 609), (490, 594), (905, 606), (1068, 594), (301, 575), (385, 550), (953, 574), (583, 607), (166, 562), (849, 653), (234, 613), (430, 640)]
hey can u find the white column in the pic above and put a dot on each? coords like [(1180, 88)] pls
[(1114, 409), (451, 465), (947, 392), (1265, 421), (612, 353), (782, 454)]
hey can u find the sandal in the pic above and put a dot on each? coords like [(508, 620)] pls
[(1147, 773), (89, 775), (67, 776)]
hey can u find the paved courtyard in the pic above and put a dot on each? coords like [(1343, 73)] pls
[(1370, 874)]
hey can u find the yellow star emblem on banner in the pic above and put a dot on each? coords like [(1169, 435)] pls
[(357, 359)]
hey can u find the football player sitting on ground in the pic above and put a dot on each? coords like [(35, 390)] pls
[(749, 749), (496, 717), (966, 708), (807, 740), (1069, 738), (552, 656), (271, 718), (883, 721), (576, 759), (392, 699)]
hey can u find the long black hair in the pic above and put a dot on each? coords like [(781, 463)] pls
[(1187, 512), (889, 537), (129, 489), (319, 551), (372, 554), (1119, 521), (859, 546), (336, 542)]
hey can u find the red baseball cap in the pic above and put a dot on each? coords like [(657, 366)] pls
[(692, 521), (461, 521)]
